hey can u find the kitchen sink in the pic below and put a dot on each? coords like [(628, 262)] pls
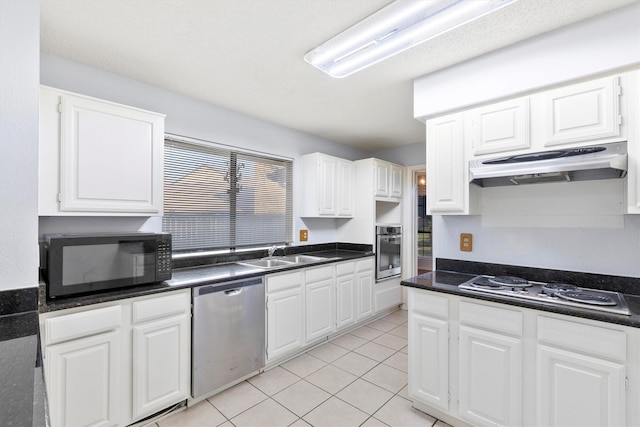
[(299, 259), (267, 263), (282, 261)]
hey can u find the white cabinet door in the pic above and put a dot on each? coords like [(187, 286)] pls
[(161, 364), (446, 168), (285, 321), (344, 188), (582, 112), (396, 181), (429, 360), (111, 157), (345, 300), (382, 178), (579, 390), (500, 127), (327, 185), (320, 315), (83, 381), (490, 378), (364, 291)]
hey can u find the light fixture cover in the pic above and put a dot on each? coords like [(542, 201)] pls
[(395, 28)]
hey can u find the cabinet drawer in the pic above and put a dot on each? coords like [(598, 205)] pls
[(284, 281), (426, 302), (596, 340), (78, 325), (319, 273), (160, 307), (345, 268), (492, 318), (365, 264)]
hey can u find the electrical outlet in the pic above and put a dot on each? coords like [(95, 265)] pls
[(304, 235), (466, 242)]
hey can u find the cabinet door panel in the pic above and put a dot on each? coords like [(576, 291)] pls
[(364, 289), (327, 185), (285, 322), (344, 188), (582, 112), (161, 369), (319, 309), (429, 360), (83, 381), (576, 390), (382, 179), (501, 127), (345, 301), (490, 369), (396, 181), (111, 157), (445, 165)]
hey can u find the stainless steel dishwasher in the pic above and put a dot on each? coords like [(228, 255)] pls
[(228, 334)]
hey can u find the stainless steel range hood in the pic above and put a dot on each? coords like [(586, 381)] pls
[(563, 165)]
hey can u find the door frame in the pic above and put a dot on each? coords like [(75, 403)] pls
[(410, 226)]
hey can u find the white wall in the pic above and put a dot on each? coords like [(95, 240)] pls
[(195, 119), (19, 59), (407, 155)]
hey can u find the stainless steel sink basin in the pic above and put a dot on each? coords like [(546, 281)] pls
[(266, 263), (299, 259)]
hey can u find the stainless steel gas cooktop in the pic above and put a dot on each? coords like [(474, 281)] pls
[(550, 293)]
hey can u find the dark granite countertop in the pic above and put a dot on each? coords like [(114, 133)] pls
[(22, 395), (448, 281), (197, 275)]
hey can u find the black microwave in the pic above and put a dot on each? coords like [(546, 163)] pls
[(85, 263)]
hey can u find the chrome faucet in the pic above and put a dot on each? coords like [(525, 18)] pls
[(272, 250)]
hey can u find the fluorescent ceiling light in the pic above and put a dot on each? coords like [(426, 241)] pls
[(394, 29)]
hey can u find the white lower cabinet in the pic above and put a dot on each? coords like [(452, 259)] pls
[(581, 374), (319, 302), (429, 350), (285, 314), (308, 305), (102, 368), (83, 379), (161, 374), (478, 363), (346, 306), (364, 288), (490, 365)]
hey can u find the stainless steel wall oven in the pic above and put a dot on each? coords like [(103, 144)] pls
[(388, 251)]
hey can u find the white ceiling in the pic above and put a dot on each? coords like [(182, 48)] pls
[(247, 55)]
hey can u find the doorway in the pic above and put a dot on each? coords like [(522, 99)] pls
[(423, 227)]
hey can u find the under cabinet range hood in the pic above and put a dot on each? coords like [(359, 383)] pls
[(563, 165)]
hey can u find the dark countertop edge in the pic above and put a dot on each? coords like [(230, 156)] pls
[(425, 282), (49, 305)]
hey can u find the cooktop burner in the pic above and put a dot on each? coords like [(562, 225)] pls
[(552, 288), (586, 297), (509, 281), (549, 293)]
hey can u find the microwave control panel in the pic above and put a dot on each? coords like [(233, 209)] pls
[(163, 260)]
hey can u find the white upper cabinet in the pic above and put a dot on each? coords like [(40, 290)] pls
[(581, 112), (388, 179), (327, 186), (98, 157), (446, 169), (500, 127)]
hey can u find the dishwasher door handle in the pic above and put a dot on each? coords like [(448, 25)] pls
[(232, 292)]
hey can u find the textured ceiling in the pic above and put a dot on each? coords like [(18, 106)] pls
[(247, 55)]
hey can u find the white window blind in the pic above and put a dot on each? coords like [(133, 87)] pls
[(216, 198)]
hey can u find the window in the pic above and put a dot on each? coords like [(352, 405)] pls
[(215, 198)]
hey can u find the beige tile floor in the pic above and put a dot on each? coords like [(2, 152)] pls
[(358, 379)]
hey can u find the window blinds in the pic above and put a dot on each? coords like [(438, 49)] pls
[(215, 198)]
